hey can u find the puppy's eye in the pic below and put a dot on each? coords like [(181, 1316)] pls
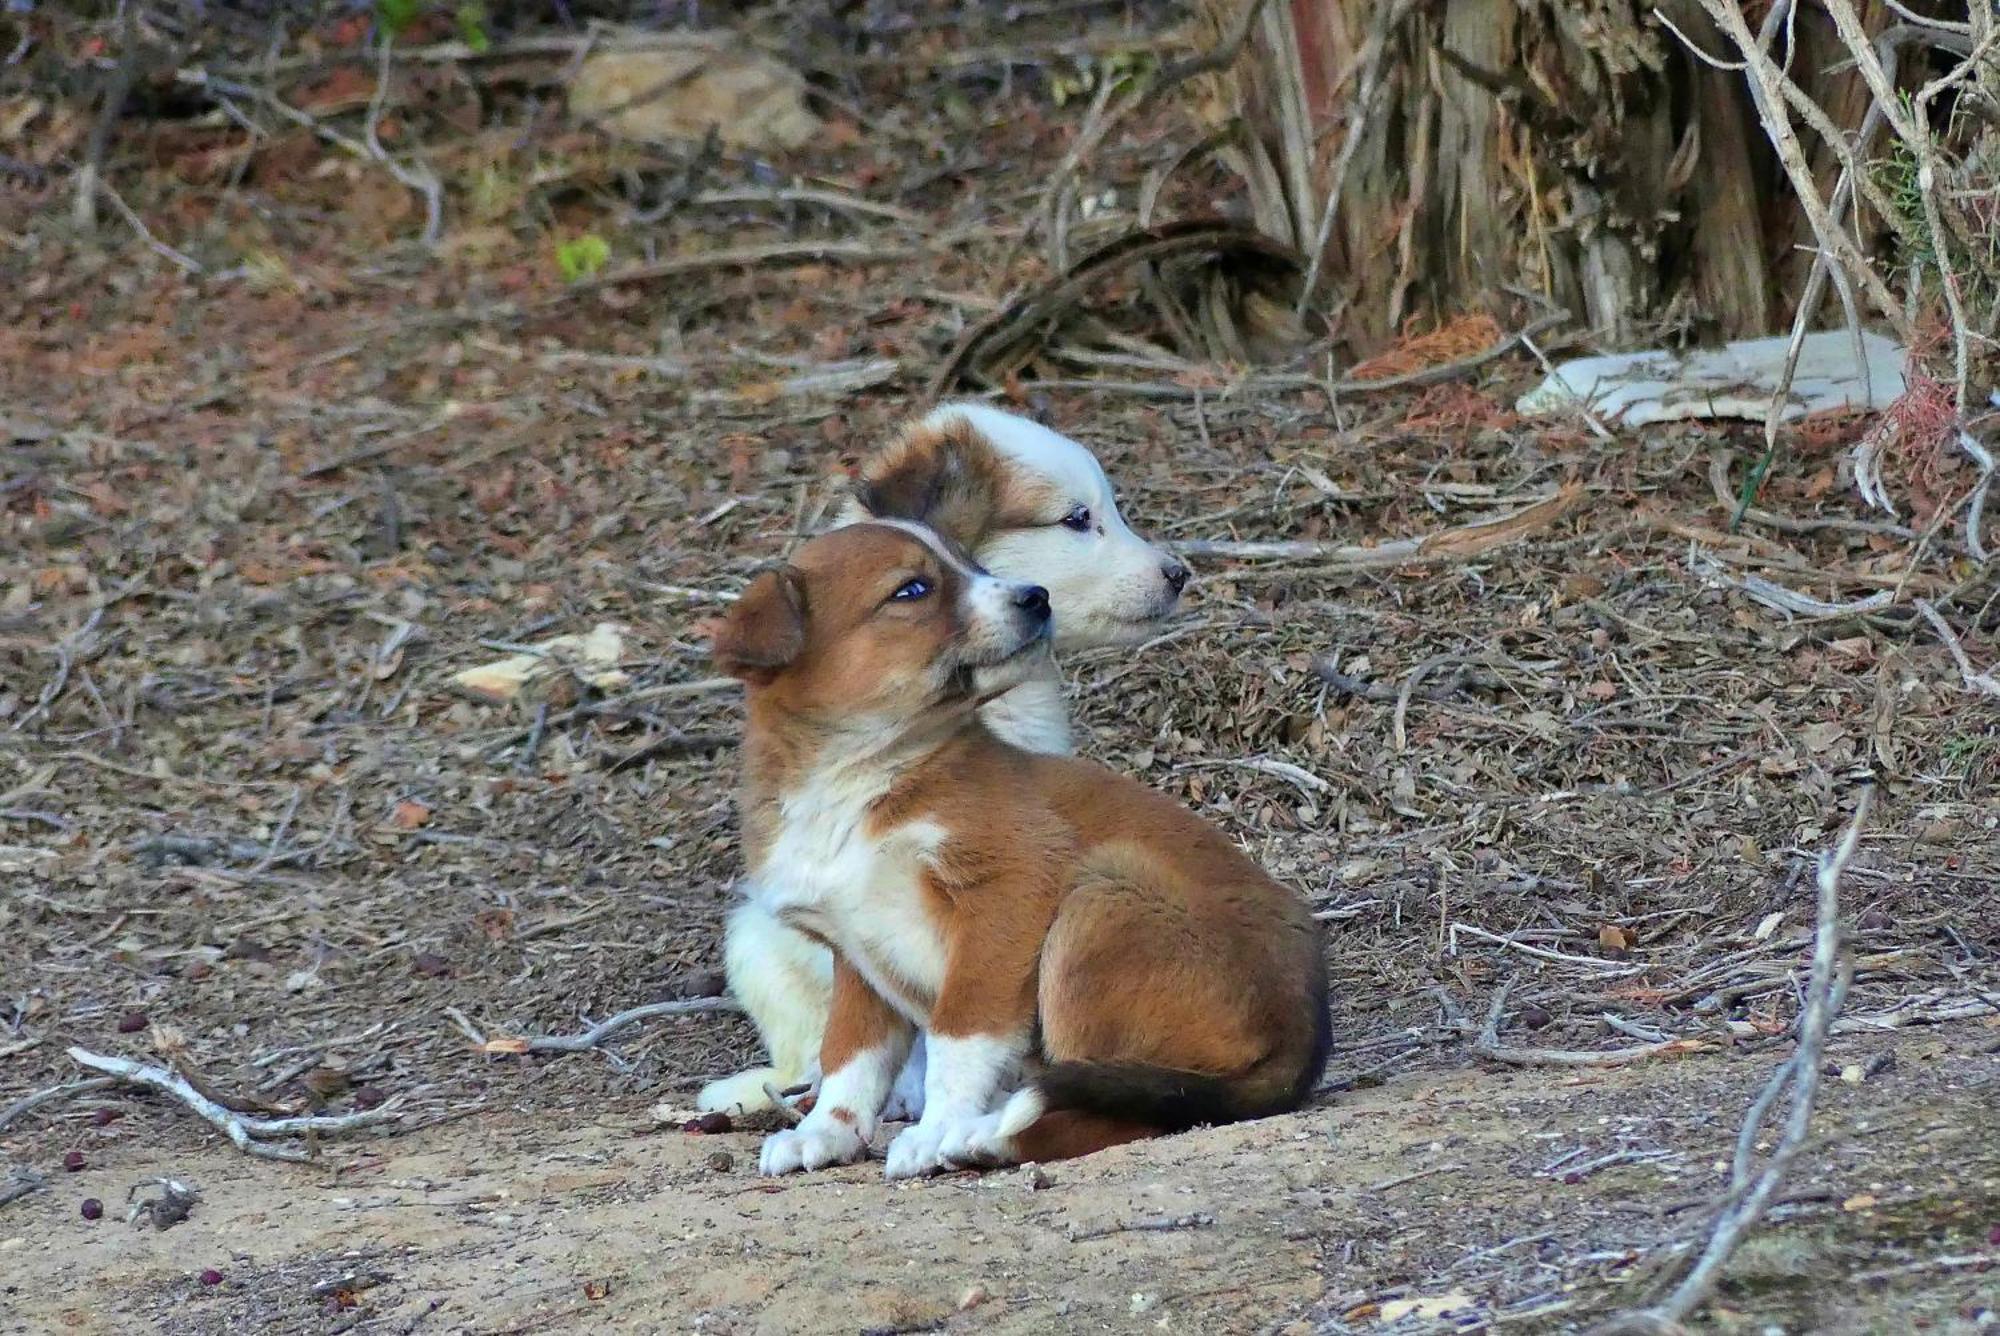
[(1078, 519), (910, 591)]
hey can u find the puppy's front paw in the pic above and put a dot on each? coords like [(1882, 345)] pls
[(945, 1143), (914, 1152), (737, 1095), (976, 1143), (813, 1144)]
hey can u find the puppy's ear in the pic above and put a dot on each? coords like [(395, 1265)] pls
[(765, 630), (914, 487), (944, 477)]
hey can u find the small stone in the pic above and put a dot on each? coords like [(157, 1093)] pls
[(701, 983), (104, 1117), (1993, 1236), (1534, 1017), (73, 1161), (132, 1022), (1852, 1074), (1572, 1178), (1037, 1180), (369, 1097), (431, 965), (973, 1297), (708, 1125), (1875, 920), (92, 1208), (211, 1277), (721, 1161)]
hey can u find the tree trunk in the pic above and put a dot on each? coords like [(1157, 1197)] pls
[(1573, 150)]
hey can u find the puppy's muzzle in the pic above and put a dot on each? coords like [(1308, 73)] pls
[(1031, 605)]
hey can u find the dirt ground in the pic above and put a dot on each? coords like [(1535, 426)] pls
[(1447, 1186), (252, 520)]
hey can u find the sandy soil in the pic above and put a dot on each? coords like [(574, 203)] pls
[(1430, 1186)]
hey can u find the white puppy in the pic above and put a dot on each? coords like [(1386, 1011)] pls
[(1031, 506)]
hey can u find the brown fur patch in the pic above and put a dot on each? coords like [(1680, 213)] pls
[(765, 629), (858, 1021), (1065, 1134), (949, 477)]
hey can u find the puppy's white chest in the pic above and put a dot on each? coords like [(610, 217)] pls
[(826, 872)]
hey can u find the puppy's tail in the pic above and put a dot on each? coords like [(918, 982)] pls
[(1075, 1108)]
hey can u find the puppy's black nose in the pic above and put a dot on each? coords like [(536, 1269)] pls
[(1175, 574), (1034, 601)]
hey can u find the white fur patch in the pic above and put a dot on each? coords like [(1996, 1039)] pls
[(784, 981), (965, 1076), (810, 1146), (1020, 1111), (1106, 583), (823, 870)]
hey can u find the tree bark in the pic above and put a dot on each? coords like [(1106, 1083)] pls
[(1573, 149)]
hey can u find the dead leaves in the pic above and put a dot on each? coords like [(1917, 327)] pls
[(592, 658)]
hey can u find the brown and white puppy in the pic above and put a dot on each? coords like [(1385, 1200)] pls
[(1035, 916), (1032, 505)]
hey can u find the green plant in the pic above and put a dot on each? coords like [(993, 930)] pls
[(471, 20), (1120, 69), (396, 16), (580, 257)]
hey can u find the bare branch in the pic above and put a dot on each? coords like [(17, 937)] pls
[(249, 1135), (1750, 1193)]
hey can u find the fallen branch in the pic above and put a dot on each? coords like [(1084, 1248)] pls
[(1984, 683), (22, 1182), (1401, 1179), (70, 1090), (185, 263), (249, 1135), (1164, 1225), (672, 744), (598, 1033), (1461, 543), (836, 378), (1542, 953), (1488, 1045), (418, 177), (1004, 342), (1725, 496), (1749, 1195), (1777, 596), (1961, 1262), (781, 252), (421, 179)]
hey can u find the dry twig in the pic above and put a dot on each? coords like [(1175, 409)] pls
[(1488, 1045), (1985, 683), (1749, 1194), (604, 1029), (1461, 543), (68, 1090), (249, 1135)]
